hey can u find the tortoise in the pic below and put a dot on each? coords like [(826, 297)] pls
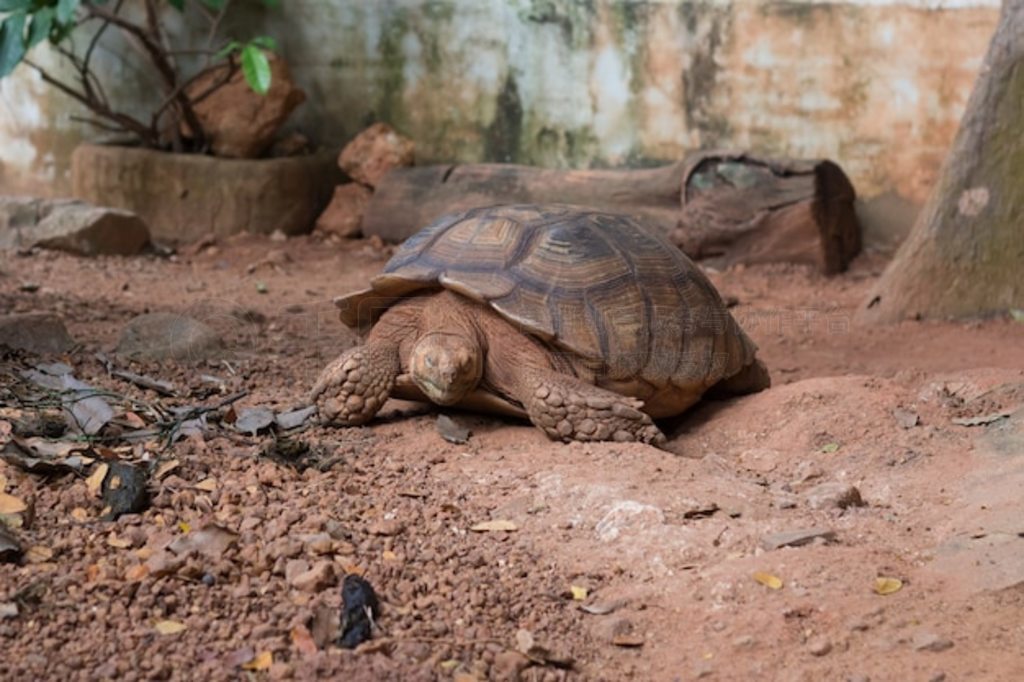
[(588, 323)]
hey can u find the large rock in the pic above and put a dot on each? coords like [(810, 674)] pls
[(185, 197), (240, 123), (344, 215), (35, 332), (160, 336), (373, 153), (70, 225)]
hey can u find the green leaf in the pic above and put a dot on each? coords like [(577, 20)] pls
[(177, 4), (1017, 314), (213, 4), (256, 69), (39, 29), (272, 4), (12, 43), (14, 5), (830, 448), (265, 42), (66, 10)]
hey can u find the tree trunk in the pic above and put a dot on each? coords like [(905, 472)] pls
[(964, 256)]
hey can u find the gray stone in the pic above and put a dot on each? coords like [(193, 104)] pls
[(70, 225), (833, 495), (35, 332), (159, 336), (796, 538), (929, 641)]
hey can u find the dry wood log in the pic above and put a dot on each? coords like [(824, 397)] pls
[(739, 208), (408, 199), (729, 207)]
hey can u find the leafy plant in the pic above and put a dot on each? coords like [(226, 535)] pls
[(173, 123)]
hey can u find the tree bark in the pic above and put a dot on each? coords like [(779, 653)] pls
[(964, 257)]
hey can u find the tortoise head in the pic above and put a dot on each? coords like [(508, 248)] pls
[(446, 367)]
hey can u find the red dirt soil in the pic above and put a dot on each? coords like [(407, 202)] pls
[(665, 543)]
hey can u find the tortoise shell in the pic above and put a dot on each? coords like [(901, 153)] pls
[(599, 285)]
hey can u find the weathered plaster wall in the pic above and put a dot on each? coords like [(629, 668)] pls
[(878, 86)]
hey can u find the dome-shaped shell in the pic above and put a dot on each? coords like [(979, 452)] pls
[(597, 284)]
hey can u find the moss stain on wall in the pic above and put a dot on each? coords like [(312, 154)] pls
[(605, 82)]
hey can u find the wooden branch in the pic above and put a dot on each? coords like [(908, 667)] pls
[(126, 122), (215, 27), (157, 56)]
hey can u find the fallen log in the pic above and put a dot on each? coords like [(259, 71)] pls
[(726, 207), (408, 199)]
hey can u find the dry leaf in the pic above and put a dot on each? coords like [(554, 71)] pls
[(3, 482), (497, 525), (352, 569), (166, 468), (886, 586), (184, 527), (578, 593), (207, 485), (388, 555), (302, 640), (450, 664), (38, 554), (133, 420), (80, 515), (95, 480), (263, 661), (9, 504), (169, 627), (768, 580)]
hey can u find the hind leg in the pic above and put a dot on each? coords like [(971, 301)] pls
[(567, 409)]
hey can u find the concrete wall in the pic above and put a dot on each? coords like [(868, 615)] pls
[(877, 85)]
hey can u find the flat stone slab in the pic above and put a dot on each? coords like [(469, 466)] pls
[(70, 225), (35, 332)]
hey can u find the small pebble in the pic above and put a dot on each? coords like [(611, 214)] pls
[(929, 641), (819, 646)]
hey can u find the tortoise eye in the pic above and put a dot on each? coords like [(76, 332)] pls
[(429, 360)]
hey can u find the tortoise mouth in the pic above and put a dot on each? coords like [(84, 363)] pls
[(442, 395)]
